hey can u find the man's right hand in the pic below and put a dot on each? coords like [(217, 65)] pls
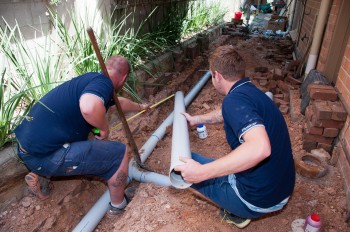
[(192, 120), (103, 134)]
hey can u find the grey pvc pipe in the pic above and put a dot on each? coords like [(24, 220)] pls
[(318, 35), (292, 14), (95, 214), (180, 142), (99, 209), (157, 135), (146, 177)]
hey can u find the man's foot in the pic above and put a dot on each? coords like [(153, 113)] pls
[(33, 184), (233, 219), (112, 211)]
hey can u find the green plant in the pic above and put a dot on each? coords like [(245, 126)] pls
[(112, 40), (36, 67), (201, 15), (10, 105), (55, 2), (32, 70)]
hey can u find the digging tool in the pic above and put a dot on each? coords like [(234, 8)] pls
[(117, 103), (141, 112)]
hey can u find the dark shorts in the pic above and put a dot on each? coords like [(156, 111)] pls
[(220, 191), (89, 158)]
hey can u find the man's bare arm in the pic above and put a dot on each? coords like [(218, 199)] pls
[(209, 118)]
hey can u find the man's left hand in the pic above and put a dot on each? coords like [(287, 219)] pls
[(190, 170)]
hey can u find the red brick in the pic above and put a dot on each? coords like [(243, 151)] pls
[(317, 138), (279, 96), (317, 86), (326, 123), (309, 145), (263, 82), (272, 84), (338, 111), (314, 130), (282, 85), (326, 147), (280, 102), (330, 132), (322, 110), (323, 94), (284, 109), (309, 112), (278, 74), (292, 80), (292, 65)]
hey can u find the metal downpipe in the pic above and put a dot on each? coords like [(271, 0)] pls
[(99, 209)]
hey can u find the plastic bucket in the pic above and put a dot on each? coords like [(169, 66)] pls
[(238, 15)]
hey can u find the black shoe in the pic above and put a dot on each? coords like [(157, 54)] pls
[(112, 211), (233, 219)]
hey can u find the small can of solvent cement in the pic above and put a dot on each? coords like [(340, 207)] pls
[(202, 131)]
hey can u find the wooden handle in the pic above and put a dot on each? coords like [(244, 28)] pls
[(115, 98)]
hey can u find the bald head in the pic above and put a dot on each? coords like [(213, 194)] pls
[(118, 64), (118, 69)]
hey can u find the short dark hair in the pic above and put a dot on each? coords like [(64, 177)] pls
[(228, 62)]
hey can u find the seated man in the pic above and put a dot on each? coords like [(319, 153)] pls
[(53, 139), (257, 176)]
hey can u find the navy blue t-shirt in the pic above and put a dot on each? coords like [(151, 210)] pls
[(56, 119), (272, 180)]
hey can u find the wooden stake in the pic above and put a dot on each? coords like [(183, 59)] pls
[(115, 98)]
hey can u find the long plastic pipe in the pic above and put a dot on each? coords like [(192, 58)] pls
[(318, 35), (151, 143), (291, 16), (180, 145), (99, 209), (135, 173)]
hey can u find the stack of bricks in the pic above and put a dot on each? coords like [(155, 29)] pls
[(325, 116)]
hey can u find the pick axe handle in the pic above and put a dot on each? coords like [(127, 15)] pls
[(115, 98)]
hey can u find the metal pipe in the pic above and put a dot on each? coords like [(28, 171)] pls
[(180, 142), (318, 35), (99, 209)]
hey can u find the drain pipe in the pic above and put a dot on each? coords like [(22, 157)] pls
[(135, 173), (151, 143), (99, 209), (291, 16), (180, 142), (318, 35)]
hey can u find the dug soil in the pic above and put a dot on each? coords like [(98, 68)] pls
[(159, 208)]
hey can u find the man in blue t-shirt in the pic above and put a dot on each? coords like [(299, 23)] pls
[(257, 176), (53, 138)]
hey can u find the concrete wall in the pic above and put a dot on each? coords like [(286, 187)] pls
[(29, 14)]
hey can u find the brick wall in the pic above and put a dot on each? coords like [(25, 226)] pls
[(328, 34), (343, 86), (307, 27)]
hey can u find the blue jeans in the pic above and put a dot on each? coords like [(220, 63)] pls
[(91, 158), (220, 191)]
